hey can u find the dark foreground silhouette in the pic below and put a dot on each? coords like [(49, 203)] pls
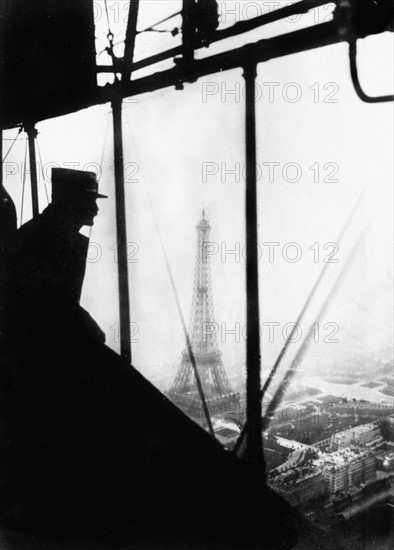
[(89, 445)]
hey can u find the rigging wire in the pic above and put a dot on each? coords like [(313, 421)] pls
[(300, 354), (42, 171), (160, 22), (302, 313), (174, 31), (12, 144), (182, 318), (309, 299), (23, 183), (107, 14), (180, 312), (110, 36)]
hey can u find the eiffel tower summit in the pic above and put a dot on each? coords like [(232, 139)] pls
[(184, 392)]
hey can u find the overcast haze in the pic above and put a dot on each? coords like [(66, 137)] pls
[(170, 136)]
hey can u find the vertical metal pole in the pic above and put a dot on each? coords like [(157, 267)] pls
[(254, 451), (31, 135), (123, 275), (188, 30), (131, 33)]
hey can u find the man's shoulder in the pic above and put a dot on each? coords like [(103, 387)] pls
[(31, 234), (43, 220)]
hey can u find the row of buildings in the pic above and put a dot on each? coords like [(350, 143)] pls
[(341, 463), (347, 468), (328, 474), (300, 485), (365, 435)]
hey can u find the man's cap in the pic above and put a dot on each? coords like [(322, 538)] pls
[(68, 184)]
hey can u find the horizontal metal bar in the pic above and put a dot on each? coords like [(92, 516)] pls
[(237, 29), (302, 40), (264, 50)]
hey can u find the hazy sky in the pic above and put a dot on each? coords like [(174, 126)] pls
[(318, 147)]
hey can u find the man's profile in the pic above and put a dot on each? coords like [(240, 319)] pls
[(49, 258)]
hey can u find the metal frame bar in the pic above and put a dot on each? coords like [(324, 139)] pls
[(188, 42), (31, 132), (190, 70), (262, 50), (253, 364), (121, 231), (120, 197), (239, 28), (131, 33), (318, 36)]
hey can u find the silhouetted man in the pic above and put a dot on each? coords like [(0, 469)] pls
[(101, 449), (49, 343), (7, 231), (49, 257)]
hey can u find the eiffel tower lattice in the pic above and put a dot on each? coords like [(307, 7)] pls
[(218, 393)]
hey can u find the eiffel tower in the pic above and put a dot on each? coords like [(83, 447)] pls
[(217, 390)]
